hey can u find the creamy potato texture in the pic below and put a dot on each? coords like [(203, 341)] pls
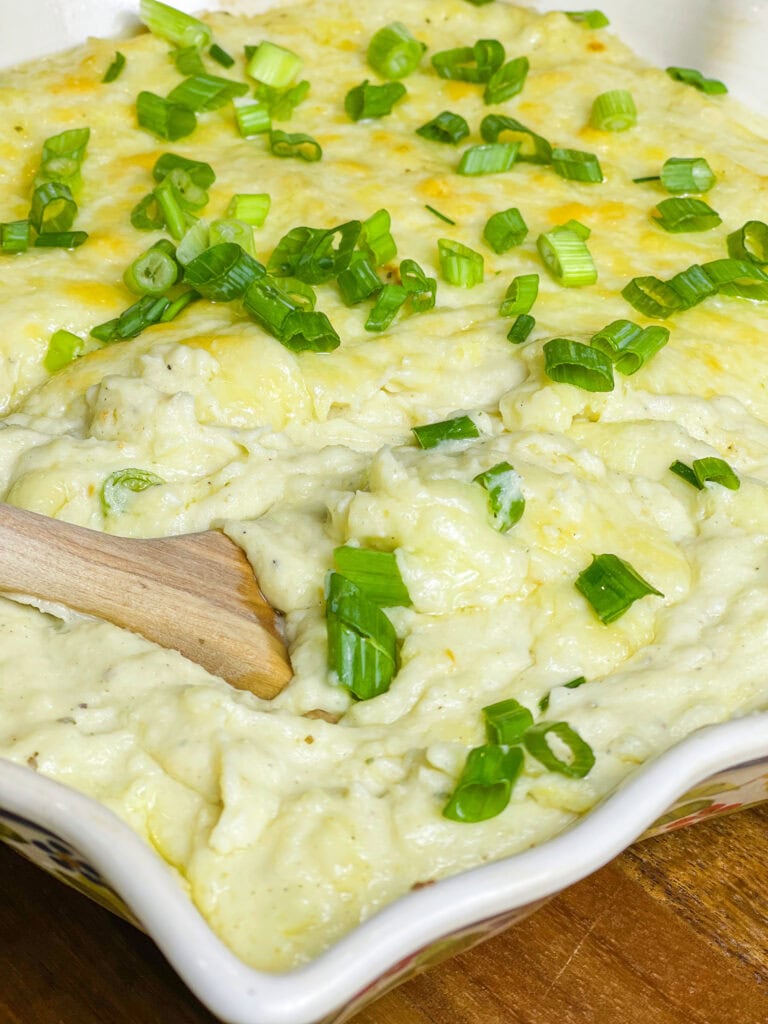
[(288, 829)]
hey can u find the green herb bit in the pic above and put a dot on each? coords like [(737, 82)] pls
[(440, 216), (570, 362), (362, 645), (590, 19), (376, 573), (174, 26), (118, 485), (707, 470), (63, 348), (690, 76), (460, 428), (485, 785), (298, 145), (393, 52), (582, 757), (459, 265), (447, 128), (612, 586), (115, 69), (366, 102), (505, 496), (505, 230), (506, 721)]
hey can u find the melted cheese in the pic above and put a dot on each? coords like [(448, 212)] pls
[(287, 830)]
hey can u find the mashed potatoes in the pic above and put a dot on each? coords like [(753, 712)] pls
[(290, 821)]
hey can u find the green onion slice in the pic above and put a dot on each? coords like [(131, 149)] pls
[(362, 645), (15, 236), (195, 241), (61, 239), (62, 158), (447, 127), (421, 289), (566, 256), (485, 785), (612, 586), (306, 330), (505, 230), (681, 175), (686, 473), (179, 304), (576, 165), (269, 304), (693, 285), (614, 111), (358, 281), (223, 272), (440, 216), (118, 485), (393, 52), (505, 496), (570, 362), (738, 278), (147, 215), (202, 174), (154, 272), (628, 346), (230, 229), (252, 119), (366, 102), (301, 295), (389, 302), (376, 573), (537, 743), (63, 348), (684, 215), (507, 81), (132, 321), (298, 145), (115, 69), (188, 61), (521, 329), (652, 297), (476, 63), (459, 265), (716, 471), (221, 57), (534, 149), (309, 253), (574, 684), (165, 120), (460, 428), (175, 26), (488, 158), (203, 92), (53, 208), (590, 19), (520, 295), (750, 242), (376, 238), (252, 208), (690, 76), (274, 65), (506, 721)]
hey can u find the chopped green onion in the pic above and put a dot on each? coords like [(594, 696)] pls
[(750, 242), (690, 76), (576, 165), (175, 26), (537, 744), (376, 238), (61, 239), (570, 362), (376, 573), (614, 111), (441, 216), (447, 127), (693, 285), (476, 63), (678, 215), (393, 52), (367, 101), (612, 586), (628, 346), (505, 230), (154, 272), (269, 305), (521, 329), (507, 81), (188, 61), (457, 429), (358, 281), (306, 330), (63, 348), (206, 92), (590, 19), (301, 295), (520, 295), (488, 158), (250, 207), (118, 485), (680, 175), (179, 305), (114, 70), (223, 272), (459, 264), (53, 208), (574, 683), (506, 721), (485, 785), (567, 258), (252, 119), (577, 228), (534, 149), (505, 497), (283, 102), (298, 145), (202, 174), (170, 203), (421, 289), (648, 177), (229, 229), (308, 253), (652, 297), (221, 57), (274, 65), (165, 120), (194, 241), (738, 278), (686, 473), (716, 471), (15, 236), (362, 645), (62, 158), (132, 321), (390, 300)]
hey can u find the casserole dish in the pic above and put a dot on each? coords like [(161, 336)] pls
[(83, 843)]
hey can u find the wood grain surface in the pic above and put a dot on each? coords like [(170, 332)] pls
[(675, 931)]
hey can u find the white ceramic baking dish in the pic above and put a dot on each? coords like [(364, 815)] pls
[(716, 770)]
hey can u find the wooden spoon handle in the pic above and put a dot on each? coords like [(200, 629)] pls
[(195, 593)]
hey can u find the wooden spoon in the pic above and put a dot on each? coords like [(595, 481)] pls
[(196, 593)]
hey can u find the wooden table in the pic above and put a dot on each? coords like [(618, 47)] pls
[(675, 931)]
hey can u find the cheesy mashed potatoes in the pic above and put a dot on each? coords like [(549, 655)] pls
[(289, 821)]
